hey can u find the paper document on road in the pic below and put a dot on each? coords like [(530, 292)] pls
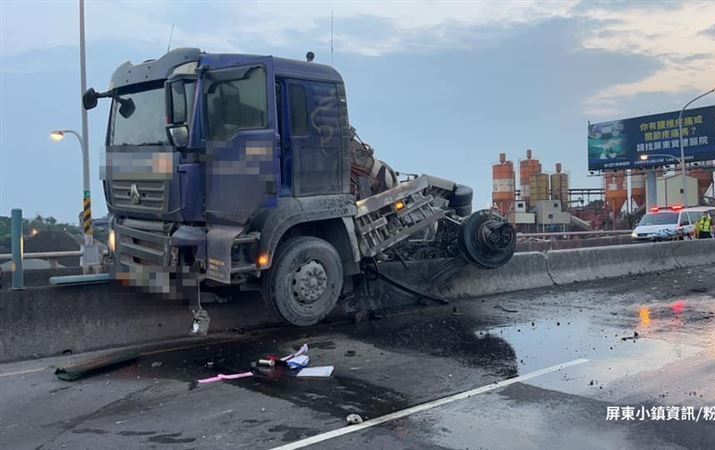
[(318, 372)]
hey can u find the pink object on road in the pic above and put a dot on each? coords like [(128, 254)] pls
[(221, 377)]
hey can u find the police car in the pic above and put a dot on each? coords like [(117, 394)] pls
[(670, 223)]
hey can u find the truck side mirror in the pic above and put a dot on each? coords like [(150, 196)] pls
[(89, 99), (178, 95), (126, 107), (179, 135)]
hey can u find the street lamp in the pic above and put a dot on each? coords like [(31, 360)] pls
[(682, 150), (90, 253), (58, 135)]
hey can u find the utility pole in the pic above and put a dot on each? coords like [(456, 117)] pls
[(90, 253)]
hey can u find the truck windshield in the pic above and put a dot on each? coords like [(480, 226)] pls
[(146, 125), (660, 218)]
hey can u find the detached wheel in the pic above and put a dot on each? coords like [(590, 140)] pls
[(487, 240), (304, 282)]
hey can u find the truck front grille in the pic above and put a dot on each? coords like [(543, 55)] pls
[(148, 196)]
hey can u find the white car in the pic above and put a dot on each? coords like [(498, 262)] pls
[(661, 223)]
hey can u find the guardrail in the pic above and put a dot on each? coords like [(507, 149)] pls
[(575, 233), (52, 257), (18, 255)]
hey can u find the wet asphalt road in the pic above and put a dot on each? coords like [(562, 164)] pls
[(401, 360)]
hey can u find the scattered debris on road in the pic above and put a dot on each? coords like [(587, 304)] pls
[(298, 362), (221, 377), (634, 337), (316, 372), (72, 373), (303, 350), (354, 419)]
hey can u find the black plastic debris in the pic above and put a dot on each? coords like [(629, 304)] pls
[(72, 373)]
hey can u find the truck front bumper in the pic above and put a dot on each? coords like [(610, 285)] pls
[(145, 258)]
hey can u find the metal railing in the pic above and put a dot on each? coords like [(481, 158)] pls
[(18, 255), (51, 257), (597, 233)]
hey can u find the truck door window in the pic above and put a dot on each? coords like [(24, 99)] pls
[(298, 110), (235, 105)]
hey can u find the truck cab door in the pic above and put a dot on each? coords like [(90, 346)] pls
[(240, 127), (319, 162)]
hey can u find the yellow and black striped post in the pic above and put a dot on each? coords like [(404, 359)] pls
[(87, 215)]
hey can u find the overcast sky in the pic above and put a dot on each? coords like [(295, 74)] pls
[(437, 88)]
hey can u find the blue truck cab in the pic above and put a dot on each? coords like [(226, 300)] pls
[(228, 169)]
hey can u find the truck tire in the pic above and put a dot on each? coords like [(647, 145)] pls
[(487, 240), (304, 282)]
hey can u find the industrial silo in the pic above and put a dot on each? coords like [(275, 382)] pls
[(638, 188), (527, 168), (616, 192), (503, 192), (560, 186)]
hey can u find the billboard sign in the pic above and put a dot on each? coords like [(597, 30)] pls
[(620, 144)]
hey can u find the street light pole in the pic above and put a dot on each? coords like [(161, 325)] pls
[(682, 149), (84, 141)]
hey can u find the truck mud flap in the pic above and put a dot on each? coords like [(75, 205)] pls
[(219, 241)]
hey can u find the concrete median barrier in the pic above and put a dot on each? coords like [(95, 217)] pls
[(45, 321), (569, 266), (694, 253), (41, 321), (525, 271), (50, 320)]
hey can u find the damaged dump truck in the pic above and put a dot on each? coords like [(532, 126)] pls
[(242, 170)]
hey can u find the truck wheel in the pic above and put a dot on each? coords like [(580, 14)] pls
[(304, 282), (487, 240)]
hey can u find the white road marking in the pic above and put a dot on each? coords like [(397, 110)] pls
[(424, 407)]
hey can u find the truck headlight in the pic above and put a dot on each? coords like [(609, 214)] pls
[(111, 241)]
